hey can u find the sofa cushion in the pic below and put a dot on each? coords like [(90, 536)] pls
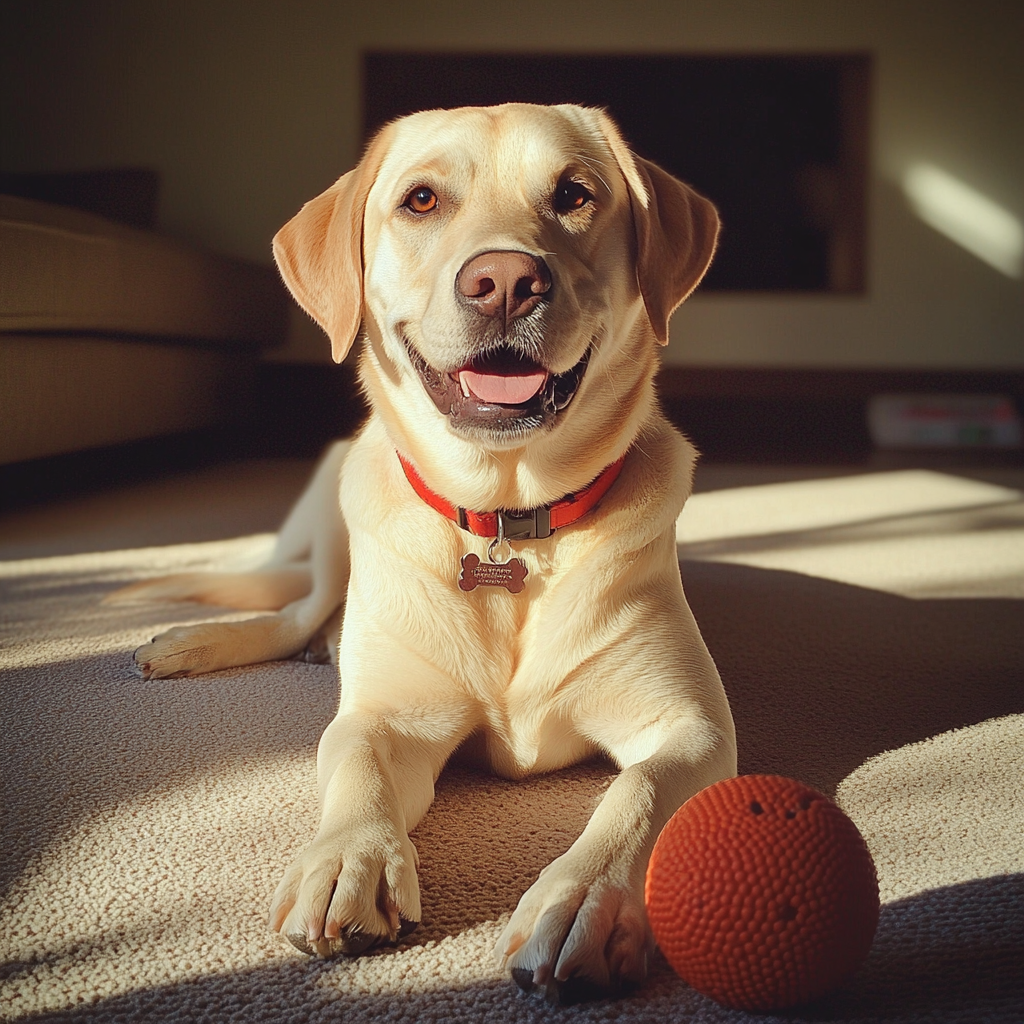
[(65, 394), (66, 270)]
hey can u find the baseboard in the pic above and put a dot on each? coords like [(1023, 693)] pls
[(35, 481), (819, 383)]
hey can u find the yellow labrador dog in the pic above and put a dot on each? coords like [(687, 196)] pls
[(500, 535)]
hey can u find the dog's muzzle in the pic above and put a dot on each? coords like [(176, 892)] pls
[(502, 390)]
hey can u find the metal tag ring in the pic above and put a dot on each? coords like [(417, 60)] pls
[(492, 547), (498, 542)]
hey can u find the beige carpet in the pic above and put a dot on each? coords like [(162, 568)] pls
[(869, 630)]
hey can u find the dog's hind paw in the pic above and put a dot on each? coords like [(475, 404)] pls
[(181, 651)]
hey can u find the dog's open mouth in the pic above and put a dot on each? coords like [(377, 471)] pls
[(501, 391)]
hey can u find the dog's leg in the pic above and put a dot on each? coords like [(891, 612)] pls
[(315, 528), (295, 537), (283, 578), (580, 932), (265, 589), (355, 886)]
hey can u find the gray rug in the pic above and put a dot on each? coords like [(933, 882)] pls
[(869, 630)]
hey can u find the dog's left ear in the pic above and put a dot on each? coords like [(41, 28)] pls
[(319, 252), (676, 232)]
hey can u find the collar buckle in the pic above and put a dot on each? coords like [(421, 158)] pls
[(532, 524)]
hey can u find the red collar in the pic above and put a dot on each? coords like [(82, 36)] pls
[(525, 524)]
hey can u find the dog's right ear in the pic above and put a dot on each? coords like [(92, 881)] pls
[(319, 252)]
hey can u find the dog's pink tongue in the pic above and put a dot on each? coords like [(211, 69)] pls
[(502, 389)]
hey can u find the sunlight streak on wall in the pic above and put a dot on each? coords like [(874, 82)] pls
[(972, 220)]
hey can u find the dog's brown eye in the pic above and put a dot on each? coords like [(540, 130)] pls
[(571, 195), (421, 200)]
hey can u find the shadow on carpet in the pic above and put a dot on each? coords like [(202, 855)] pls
[(950, 955)]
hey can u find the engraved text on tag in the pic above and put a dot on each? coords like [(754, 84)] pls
[(476, 573)]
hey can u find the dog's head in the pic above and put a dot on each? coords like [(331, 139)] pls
[(512, 267)]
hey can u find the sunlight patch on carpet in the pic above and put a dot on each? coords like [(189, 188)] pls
[(943, 811), (912, 533)]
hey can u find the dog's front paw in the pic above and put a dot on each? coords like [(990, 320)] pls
[(347, 893), (577, 935)]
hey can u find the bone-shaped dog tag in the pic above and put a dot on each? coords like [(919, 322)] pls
[(476, 573)]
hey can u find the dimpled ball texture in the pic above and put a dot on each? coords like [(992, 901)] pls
[(762, 894)]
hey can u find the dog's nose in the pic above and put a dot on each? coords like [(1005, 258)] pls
[(503, 283)]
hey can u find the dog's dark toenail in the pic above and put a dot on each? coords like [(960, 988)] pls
[(523, 978), (353, 941), (301, 943), (561, 993), (405, 927)]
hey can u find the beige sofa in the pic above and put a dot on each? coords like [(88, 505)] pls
[(110, 334)]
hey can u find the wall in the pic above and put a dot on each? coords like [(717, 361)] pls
[(250, 108)]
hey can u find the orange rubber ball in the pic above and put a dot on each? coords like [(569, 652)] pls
[(762, 894)]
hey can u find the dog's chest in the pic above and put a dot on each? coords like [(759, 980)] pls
[(515, 748), (515, 662)]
